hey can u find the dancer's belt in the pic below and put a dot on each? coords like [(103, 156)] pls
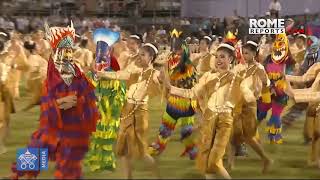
[(137, 102)]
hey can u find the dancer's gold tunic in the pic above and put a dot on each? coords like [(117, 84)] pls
[(217, 96), (17, 60), (132, 140), (245, 113)]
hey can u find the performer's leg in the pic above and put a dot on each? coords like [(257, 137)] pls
[(16, 84), (249, 121), (152, 164), (165, 131), (221, 139), (258, 148), (4, 116), (317, 140), (308, 129), (68, 162), (274, 124), (231, 155), (262, 110), (38, 140), (127, 166), (187, 138), (236, 137)]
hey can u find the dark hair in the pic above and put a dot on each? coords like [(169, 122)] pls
[(151, 51), (83, 43), (250, 47), (5, 38), (206, 40), (30, 46), (1, 46)]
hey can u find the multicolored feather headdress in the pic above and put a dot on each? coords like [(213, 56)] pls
[(176, 40), (104, 38), (60, 37)]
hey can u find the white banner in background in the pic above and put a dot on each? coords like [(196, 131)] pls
[(222, 8)]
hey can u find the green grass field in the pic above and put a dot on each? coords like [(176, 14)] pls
[(290, 158)]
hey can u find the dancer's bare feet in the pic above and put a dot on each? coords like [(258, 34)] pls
[(266, 165)]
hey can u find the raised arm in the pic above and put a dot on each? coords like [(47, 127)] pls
[(120, 75), (193, 92), (310, 75)]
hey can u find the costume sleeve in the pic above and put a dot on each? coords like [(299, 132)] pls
[(89, 58), (196, 91), (305, 95), (119, 75), (247, 93), (155, 85), (124, 74), (86, 106), (50, 116)]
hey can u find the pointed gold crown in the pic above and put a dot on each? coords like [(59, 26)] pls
[(230, 36), (175, 33)]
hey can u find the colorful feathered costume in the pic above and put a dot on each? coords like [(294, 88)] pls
[(111, 96), (274, 97), (65, 125), (182, 74)]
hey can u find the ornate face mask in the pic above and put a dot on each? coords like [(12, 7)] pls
[(312, 53), (62, 42), (176, 45), (104, 38), (280, 49)]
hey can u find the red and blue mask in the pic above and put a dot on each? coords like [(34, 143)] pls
[(104, 38)]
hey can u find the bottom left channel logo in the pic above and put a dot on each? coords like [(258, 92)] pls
[(32, 159)]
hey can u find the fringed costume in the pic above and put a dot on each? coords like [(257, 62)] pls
[(182, 74), (68, 110), (111, 97), (274, 98)]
